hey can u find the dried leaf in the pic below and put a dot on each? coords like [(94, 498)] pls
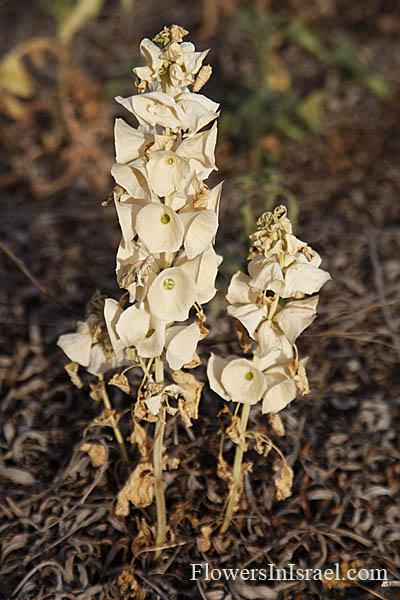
[(97, 453), (263, 444), (72, 370), (202, 77), (129, 585), (196, 362), (17, 476), (140, 437), (276, 424), (204, 542), (244, 340), (191, 391), (141, 412), (284, 482), (14, 77), (235, 432), (138, 490), (95, 393), (121, 381)]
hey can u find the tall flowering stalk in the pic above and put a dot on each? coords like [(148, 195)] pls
[(169, 219), (271, 306)]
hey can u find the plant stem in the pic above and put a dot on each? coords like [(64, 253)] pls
[(158, 465), (236, 472), (117, 433)]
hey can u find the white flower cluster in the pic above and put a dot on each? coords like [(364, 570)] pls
[(168, 216), (273, 304)]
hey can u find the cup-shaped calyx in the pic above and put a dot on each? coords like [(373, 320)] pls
[(274, 303), (168, 215)]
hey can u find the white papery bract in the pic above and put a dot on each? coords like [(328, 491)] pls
[(171, 295), (159, 228)]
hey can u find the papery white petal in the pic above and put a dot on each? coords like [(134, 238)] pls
[(264, 273), (155, 108), (112, 313), (203, 270), (294, 245), (214, 198), (215, 366), (248, 314), (199, 149), (151, 54), (168, 172), (296, 316), (243, 381), (281, 390), (159, 228), (136, 327), (154, 404), (76, 346), (198, 109), (127, 209), (98, 364), (239, 290), (201, 227), (171, 295), (181, 343), (270, 338), (130, 143), (132, 178), (303, 278)]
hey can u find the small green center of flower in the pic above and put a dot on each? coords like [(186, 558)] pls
[(169, 283), (249, 376), (165, 219), (170, 161), (149, 333)]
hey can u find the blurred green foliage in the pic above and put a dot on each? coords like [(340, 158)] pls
[(264, 100)]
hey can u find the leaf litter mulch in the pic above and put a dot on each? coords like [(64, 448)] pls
[(60, 537)]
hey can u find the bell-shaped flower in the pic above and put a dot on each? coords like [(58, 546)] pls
[(156, 108), (181, 343), (237, 379), (159, 228), (200, 229), (244, 303), (171, 295), (130, 143), (112, 313), (168, 173), (203, 271), (137, 327)]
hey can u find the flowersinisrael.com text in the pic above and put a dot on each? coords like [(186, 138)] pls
[(289, 573)]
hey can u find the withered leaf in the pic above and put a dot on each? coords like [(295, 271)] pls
[(244, 340), (121, 381), (263, 444), (196, 362), (72, 370), (97, 453), (202, 77), (141, 412), (140, 437), (138, 490), (191, 391), (203, 542), (276, 424), (284, 482), (235, 432)]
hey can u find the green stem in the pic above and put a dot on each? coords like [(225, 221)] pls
[(117, 433), (158, 464), (236, 472)]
